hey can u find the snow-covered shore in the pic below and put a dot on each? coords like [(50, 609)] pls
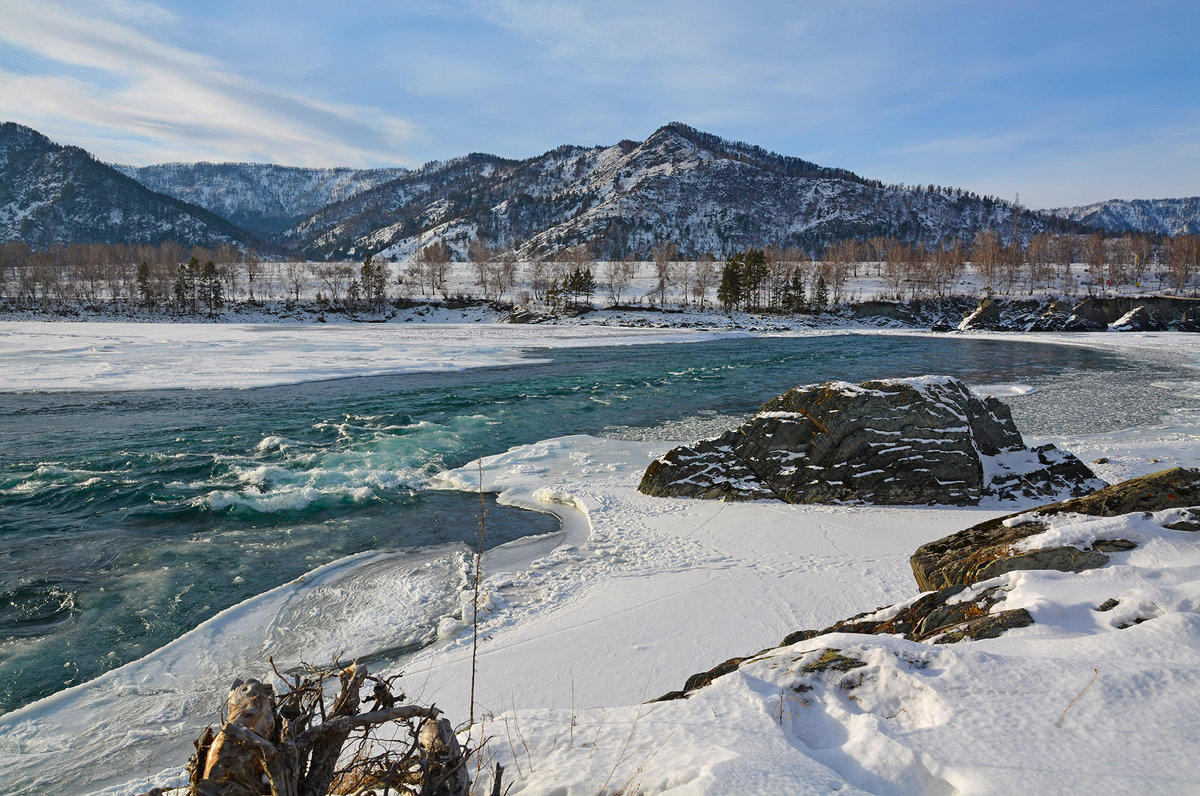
[(637, 593), (666, 588)]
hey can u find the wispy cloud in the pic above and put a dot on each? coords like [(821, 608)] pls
[(120, 82)]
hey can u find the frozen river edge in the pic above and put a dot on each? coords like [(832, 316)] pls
[(642, 592)]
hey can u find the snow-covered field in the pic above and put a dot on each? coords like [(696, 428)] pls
[(637, 593)]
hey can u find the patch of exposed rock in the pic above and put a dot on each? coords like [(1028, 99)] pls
[(926, 440), (991, 548), (1093, 314), (1139, 319), (952, 611)]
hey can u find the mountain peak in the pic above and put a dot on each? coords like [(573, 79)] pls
[(52, 194)]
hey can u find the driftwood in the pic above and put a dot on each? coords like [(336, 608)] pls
[(443, 758), (296, 744), (251, 705)]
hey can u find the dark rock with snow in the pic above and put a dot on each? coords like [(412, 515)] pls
[(941, 617), (897, 441), (1000, 315), (1190, 321), (1138, 319), (709, 468), (1177, 487), (525, 315), (991, 548), (1092, 314)]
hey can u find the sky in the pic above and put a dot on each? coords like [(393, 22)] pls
[(1064, 103)]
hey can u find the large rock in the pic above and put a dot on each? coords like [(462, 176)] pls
[(990, 548), (896, 441)]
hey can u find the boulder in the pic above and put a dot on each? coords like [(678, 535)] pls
[(924, 440), (706, 469), (985, 317)]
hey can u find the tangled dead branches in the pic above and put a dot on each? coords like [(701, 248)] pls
[(302, 743)]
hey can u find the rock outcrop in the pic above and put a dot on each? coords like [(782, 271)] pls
[(1093, 314), (953, 609), (898, 441), (991, 548), (1139, 319)]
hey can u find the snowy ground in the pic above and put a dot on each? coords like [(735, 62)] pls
[(638, 593), (665, 588)]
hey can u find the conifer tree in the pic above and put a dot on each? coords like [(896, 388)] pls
[(210, 287), (143, 283), (184, 287), (192, 283), (794, 300), (553, 294), (373, 282), (729, 292), (755, 271)]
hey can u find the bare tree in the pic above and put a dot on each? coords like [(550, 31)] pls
[(1095, 256), (663, 254), (878, 247), (1038, 256), (1143, 254), (481, 255), (617, 275), (706, 277), (987, 252), (1183, 254), (1062, 256), (294, 277), (538, 273), (335, 277)]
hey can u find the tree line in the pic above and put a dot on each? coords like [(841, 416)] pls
[(169, 278)]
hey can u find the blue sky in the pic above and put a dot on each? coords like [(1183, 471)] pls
[(1066, 103)]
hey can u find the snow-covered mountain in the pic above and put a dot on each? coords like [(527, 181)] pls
[(1163, 216), (52, 194), (262, 198), (680, 185)]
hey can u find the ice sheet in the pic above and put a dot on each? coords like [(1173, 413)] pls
[(38, 355)]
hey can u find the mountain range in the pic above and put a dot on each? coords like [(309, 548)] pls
[(680, 185), (1159, 216)]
